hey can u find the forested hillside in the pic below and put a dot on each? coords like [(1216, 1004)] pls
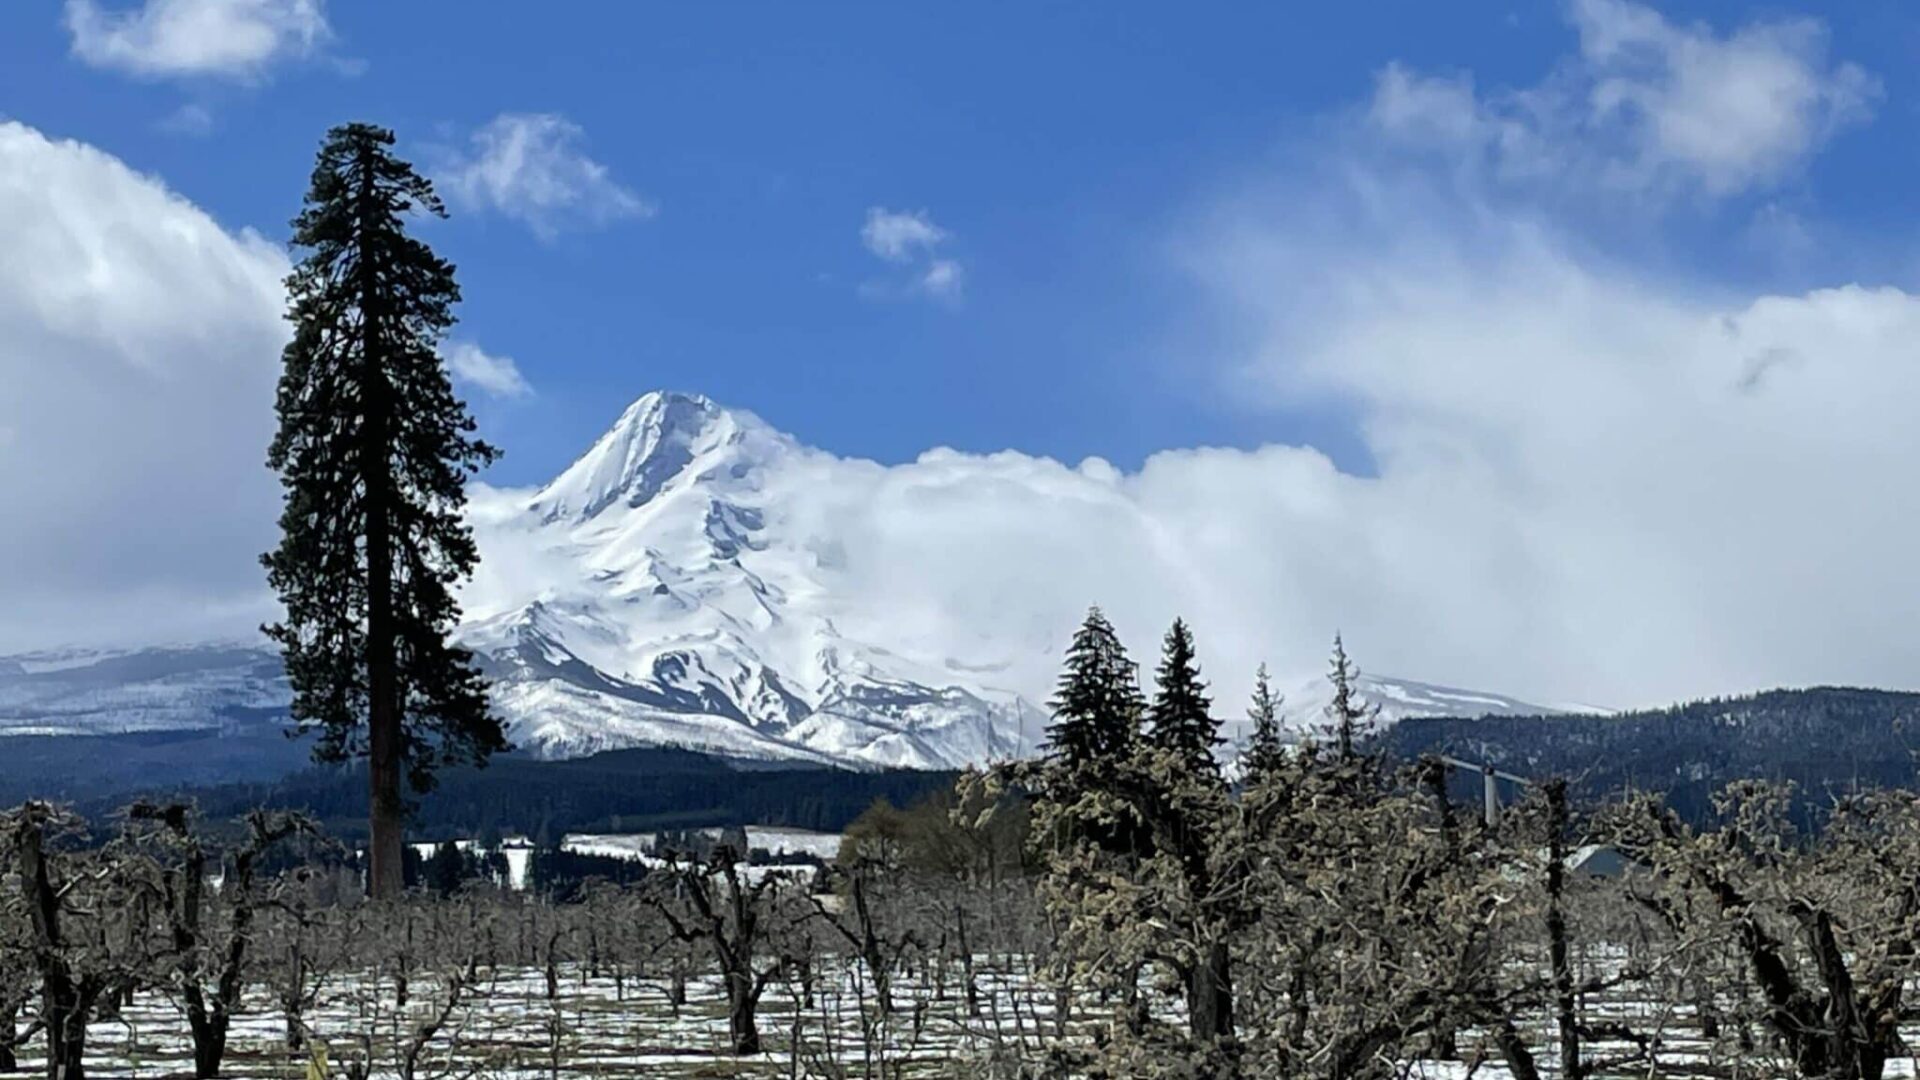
[(622, 790), (1824, 739)]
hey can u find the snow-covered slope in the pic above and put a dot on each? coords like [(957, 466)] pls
[(649, 596), (92, 692), (1392, 700), (681, 584)]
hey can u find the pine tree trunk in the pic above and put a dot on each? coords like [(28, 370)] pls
[(386, 812), (1210, 995)]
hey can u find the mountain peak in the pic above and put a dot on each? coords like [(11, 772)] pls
[(659, 437), (669, 410)]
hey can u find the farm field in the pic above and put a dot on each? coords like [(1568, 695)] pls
[(626, 1025)]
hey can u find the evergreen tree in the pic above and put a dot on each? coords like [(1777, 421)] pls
[(445, 869), (1096, 710), (374, 451), (1264, 750), (1348, 717), (1179, 718)]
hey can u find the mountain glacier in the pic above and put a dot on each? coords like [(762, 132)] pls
[(680, 584)]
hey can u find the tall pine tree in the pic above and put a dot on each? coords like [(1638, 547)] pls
[(374, 451), (1097, 707), (1179, 718), (1264, 750), (1347, 715)]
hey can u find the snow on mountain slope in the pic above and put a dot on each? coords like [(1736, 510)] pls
[(648, 595), (1305, 708), (686, 583), (92, 692)]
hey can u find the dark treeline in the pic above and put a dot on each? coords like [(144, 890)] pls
[(1825, 741), (617, 791)]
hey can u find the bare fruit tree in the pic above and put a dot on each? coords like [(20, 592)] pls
[(209, 935), (711, 901), (84, 913)]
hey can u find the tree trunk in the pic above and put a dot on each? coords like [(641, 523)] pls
[(66, 1042), (64, 1001), (882, 977), (870, 951), (1514, 1050), (740, 1013), (971, 988), (9, 1031), (1210, 995), (1854, 1052), (386, 811), (209, 1044), (1566, 1003)]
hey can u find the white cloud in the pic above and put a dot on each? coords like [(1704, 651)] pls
[(190, 120), (171, 38), (1589, 487), (139, 344), (531, 167), (1590, 483), (943, 277), (910, 239), (900, 235), (1647, 106), (496, 376)]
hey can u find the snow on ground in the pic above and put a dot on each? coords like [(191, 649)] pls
[(633, 846), (824, 846), (621, 1024)]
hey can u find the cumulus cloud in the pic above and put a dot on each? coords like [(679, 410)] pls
[(1587, 488), (496, 376), (910, 240), (139, 343), (1588, 482), (532, 167), (1646, 106), (139, 346), (172, 38)]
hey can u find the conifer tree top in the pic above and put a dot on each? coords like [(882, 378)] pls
[(1180, 719), (1265, 749), (1097, 705)]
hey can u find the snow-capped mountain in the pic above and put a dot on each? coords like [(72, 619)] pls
[(649, 596), (683, 583)]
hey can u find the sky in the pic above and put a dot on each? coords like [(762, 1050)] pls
[(1559, 348)]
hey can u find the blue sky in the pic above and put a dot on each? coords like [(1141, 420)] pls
[(1569, 349), (1060, 147)]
